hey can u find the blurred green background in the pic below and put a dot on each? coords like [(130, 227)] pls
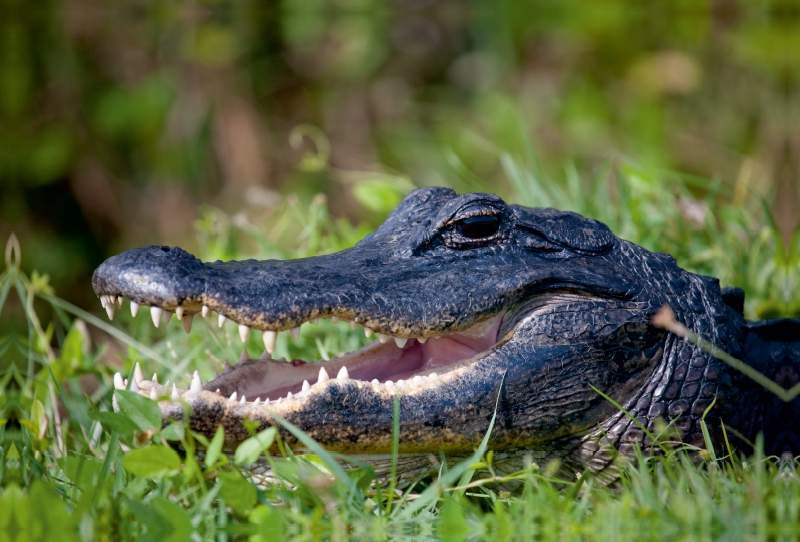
[(120, 121)]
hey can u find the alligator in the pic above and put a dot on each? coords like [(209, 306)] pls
[(537, 318)]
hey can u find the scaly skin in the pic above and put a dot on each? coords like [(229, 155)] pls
[(548, 303)]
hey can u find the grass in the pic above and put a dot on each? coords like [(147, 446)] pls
[(73, 469)]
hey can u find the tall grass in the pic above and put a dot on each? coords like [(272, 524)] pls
[(73, 469)]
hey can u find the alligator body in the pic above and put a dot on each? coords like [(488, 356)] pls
[(479, 306)]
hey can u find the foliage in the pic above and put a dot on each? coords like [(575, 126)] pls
[(72, 467)]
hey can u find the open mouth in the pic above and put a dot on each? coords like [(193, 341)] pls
[(388, 363)]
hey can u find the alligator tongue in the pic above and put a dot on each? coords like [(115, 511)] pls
[(274, 379)]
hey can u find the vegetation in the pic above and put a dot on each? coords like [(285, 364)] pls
[(74, 468)]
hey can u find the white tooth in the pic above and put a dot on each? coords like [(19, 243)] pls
[(218, 392), (389, 384), (315, 321), (422, 340), (383, 338), (134, 309), (368, 332), (265, 356), (257, 401), (417, 379), (353, 326), (221, 320), (296, 332), (374, 381), (266, 401), (269, 338), (197, 385), (120, 299), (334, 319), (323, 376), (103, 301), (167, 316), (154, 380), (166, 384), (244, 400), (110, 310), (138, 376), (279, 400), (153, 393), (244, 332), (401, 382), (400, 342), (433, 375), (155, 314), (175, 395), (119, 383), (187, 323), (289, 395), (306, 385), (206, 311), (233, 396), (134, 386), (179, 313), (343, 374), (244, 356)]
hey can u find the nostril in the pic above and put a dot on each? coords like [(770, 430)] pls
[(165, 249)]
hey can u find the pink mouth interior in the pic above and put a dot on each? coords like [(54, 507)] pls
[(274, 379)]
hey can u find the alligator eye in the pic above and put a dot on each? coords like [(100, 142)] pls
[(478, 227)]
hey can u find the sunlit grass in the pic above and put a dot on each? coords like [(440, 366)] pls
[(73, 467)]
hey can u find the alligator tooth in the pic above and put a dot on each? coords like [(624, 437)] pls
[(134, 386), (134, 309), (269, 338), (103, 301), (265, 356), (187, 323), (233, 396), (401, 382), (119, 383), (383, 338), (323, 376), (400, 342), (433, 375), (227, 367), (266, 401), (289, 395), (353, 326), (368, 332), (179, 313), (197, 385), (389, 384), (315, 321), (243, 400), (175, 395), (374, 381), (153, 393), (295, 332), (120, 299), (306, 385), (244, 332), (205, 312), (110, 310), (343, 374), (417, 379), (167, 316), (257, 401), (422, 340), (154, 380), (166, 384), (155, 314), (221, 320), (138, 376), (334, 319), (279, 400), (244, 356)]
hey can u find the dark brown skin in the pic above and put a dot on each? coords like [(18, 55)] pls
[(571, 305)]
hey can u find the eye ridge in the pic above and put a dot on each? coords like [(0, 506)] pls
[(478, 227)]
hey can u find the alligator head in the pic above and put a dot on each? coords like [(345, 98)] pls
[(479, 307)]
